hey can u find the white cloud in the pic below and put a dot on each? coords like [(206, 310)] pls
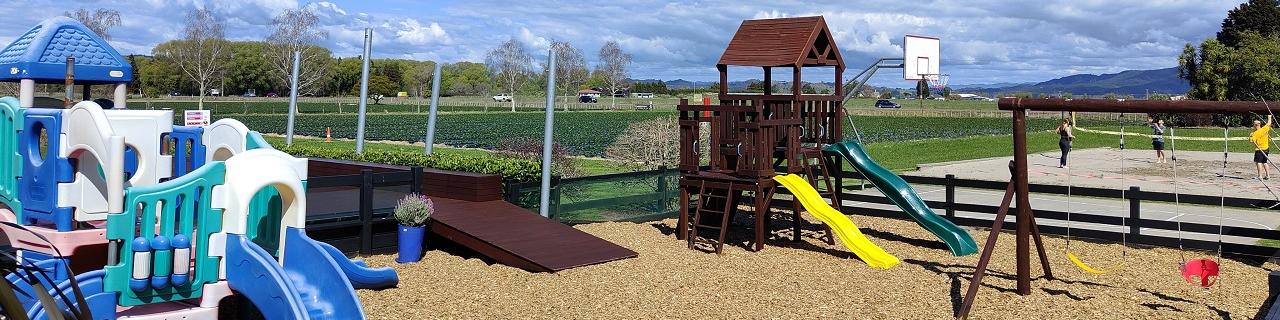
[(413, 32)]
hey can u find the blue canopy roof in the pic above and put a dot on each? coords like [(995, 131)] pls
[(41, 54)]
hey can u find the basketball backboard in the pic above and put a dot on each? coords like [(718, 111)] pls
[(920, 57)]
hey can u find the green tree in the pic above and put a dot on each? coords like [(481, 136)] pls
[(596, 80), (464, 78), (344, 75), (1206, 69), (159, 77), (922, 89), (1255, 68), (379, 86), (245, 71), (1259, 16), (886, 95)]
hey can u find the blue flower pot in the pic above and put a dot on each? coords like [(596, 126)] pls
[(411, 239)]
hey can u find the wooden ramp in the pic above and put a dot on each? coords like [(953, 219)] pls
[(519, 238)]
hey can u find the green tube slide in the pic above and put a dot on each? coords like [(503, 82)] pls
[(901, 194)]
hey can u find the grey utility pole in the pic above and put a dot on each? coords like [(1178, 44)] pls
[(547, 129), (431, 117), (364, 90)]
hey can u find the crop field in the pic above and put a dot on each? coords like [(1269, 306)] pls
[(589, 133), (323, 105), (237, 105), (585, 133)]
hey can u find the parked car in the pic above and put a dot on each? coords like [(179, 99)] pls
[(251, 93), (586, 98), (886, 104), (502, 97)]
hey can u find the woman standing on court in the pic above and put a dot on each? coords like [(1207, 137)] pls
[(1157, 138), (1064, 141)]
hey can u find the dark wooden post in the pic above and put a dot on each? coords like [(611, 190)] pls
[(415, 182), (682, 221), (366, 211), (951, 196), (1022, 249), (1273, 289), (1135, 214)]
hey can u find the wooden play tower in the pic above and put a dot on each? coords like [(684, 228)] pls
[(753, 136)]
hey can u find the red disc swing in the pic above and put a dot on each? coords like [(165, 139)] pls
[(1200, 272)]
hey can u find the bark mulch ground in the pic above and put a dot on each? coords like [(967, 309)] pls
[(810, 279)]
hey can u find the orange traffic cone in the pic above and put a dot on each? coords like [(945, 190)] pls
[(328, 135)]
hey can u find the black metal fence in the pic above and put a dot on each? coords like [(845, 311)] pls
[(1137, 229), (631, 196), (370, 227)]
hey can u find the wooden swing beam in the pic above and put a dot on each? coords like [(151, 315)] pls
[(1026, 228)]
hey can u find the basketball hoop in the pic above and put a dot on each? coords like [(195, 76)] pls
[(937, 81)]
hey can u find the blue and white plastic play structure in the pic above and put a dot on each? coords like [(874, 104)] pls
[(161, 221)]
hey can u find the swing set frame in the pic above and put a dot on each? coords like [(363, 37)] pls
[(1026, 228)]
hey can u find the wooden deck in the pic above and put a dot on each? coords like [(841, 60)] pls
[(469, 212), (519, 238)]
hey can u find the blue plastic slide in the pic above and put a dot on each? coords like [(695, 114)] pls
[(310, 285), (360, 274), (102, 304)]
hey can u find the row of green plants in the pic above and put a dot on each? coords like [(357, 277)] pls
[(581, 133), (590, 133), (510, 169)]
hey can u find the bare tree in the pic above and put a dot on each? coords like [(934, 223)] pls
[(298, 30), (98, 21), (509, 63), (649, 144), (614, 64), (199, 53), (571, 68)]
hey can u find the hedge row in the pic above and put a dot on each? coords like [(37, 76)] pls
[(509, 169)]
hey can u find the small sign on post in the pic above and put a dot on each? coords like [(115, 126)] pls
[(195, 118)]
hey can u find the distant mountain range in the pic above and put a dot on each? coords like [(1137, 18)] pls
[(1131, 82)]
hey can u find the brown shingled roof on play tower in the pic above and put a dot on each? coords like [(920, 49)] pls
[(800, 41)]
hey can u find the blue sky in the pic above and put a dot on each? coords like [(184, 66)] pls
[(984, 41)]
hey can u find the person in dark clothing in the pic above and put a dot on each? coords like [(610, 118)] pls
[(1064, 141), (1157, 138)]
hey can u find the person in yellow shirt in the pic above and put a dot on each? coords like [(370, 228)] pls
[(1261, 138)]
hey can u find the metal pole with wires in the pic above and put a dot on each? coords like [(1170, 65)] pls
[(548, 129), (364, 90)]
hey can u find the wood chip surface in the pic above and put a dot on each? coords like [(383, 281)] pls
[(813, 280)]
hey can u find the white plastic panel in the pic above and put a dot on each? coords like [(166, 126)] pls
[(88, 135), (142, 130), (920, 56), (254, 170), (224, 138)]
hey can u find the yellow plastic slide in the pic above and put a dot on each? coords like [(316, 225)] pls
[(839, 223)]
